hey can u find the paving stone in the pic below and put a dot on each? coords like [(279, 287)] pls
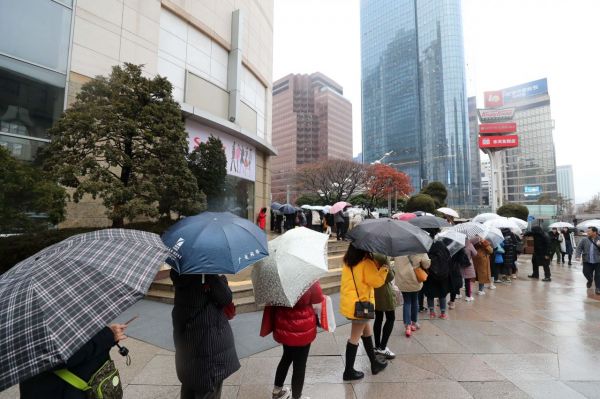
[(493, 390)]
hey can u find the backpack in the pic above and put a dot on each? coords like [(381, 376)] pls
[(440, 261)]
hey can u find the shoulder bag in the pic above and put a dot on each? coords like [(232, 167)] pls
[(104, 384), (420, 273), (362, 310)]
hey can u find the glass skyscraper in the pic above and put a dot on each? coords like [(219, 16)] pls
[(414, 93)]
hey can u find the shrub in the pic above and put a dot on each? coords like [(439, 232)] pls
[(514, 210), (420, 202)]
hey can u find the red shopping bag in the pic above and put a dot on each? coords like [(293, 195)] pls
[(326, 315), (268, 321)]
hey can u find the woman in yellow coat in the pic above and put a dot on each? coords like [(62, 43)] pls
[(360, 276)]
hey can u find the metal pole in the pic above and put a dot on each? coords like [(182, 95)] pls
[(389, 203), (287, 194)]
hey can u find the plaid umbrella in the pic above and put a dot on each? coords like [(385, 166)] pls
[(55, 301)]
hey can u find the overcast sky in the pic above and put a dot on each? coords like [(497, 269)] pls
[(507, 42)]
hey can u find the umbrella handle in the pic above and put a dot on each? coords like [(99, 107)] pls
[(203, 280), (123, 351)]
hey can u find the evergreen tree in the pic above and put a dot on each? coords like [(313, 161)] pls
[(24, 189), (124, 141), (437, 191), (208, 164)]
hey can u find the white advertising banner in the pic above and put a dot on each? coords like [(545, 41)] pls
[(241, 156)]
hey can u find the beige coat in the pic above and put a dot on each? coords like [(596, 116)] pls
[(404, 266)]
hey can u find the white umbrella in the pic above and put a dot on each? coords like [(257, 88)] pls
[(471, 229), (484, 217), (504, 223), (493, 235), (326, 208), (560, 225), (453, 240), (448, 211), (589, 223), (297, 259), (317, 208), (520, 222), (306, 206)]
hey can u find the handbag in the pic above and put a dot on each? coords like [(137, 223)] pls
[(104, 384), (362, 310), (229, 310), (421, 274)]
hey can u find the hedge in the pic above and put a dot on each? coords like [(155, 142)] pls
[(14, 249)]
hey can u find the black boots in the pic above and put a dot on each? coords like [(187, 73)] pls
[(350, 374), (376, 364)]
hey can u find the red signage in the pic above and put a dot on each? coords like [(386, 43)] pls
[(506, 127), (509, 141), (496, 115), (493, 99)]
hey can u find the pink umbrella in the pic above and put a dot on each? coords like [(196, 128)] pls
[(407, 216), (397, 215), (338, 206)]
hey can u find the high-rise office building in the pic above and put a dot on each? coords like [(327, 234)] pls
[(566, 186), (312, 122), (414, 92), (476, 193), (529, 170), (217, 55)]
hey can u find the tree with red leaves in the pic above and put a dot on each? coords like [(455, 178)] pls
[(383, 181)]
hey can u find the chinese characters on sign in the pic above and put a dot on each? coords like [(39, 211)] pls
[(509, 141), (506, 127)]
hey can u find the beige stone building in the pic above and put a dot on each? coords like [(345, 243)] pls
[(217, 54)]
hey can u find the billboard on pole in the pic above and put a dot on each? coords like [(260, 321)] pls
[(496, 115), (503, 127), (509, 141)]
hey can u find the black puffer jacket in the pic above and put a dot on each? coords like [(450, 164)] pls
[(510, 248), (440, 259), (204, 347), (541, 246)]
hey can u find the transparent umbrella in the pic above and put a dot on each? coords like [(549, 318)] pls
[(504, 223), (484, 217), (453, 240), (297, 259)]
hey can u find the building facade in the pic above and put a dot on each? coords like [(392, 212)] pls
[(529, 170), (414, 91), (217, 55), (312, 122), (565, 181), (475, 156)]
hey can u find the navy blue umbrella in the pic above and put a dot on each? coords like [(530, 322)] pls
[(287, 209), (214, 243), (276, 206)]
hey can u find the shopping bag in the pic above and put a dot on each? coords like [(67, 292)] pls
[(268, 321), (327, 315)]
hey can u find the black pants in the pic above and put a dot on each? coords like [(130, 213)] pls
[(297, 355), (189, 394), (591, 271), (421, 300), (381, 340), (570, 256), (540, 260), (340, 228)]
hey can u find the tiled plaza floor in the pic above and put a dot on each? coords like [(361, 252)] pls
[(530, 339)]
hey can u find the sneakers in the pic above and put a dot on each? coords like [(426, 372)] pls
[(547, 279), (458, 296), (497, 281), (451, 305), (589, 284), (408, 332), (432, 315), (514, 276), (480, 292), (534, 276), (469, 299), (492, 286), (387, 353), (443, 316), (281, 393), (415, 326)]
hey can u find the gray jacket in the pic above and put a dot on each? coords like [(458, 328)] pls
[(584, 247), (338, 217)]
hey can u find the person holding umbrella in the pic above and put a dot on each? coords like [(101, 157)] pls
[(360, 276), (567, 245), (437, 283), (295, 328), (84, 364), (409, 285)]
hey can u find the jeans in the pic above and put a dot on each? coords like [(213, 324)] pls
[(190, 394), (481, 287), (410, 309), (591, 271), (431, 305), (381, 340), (297, 355)]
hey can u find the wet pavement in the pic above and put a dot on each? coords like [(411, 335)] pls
[(529, 339)]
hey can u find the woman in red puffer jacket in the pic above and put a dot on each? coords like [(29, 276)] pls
[(295, 328)]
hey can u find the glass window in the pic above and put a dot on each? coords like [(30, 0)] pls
[(36, 31), (28, 108), (239, 197)]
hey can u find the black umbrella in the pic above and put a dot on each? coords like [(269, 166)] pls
[(287, 209), (390, 237), (429, 222), (276, 206)]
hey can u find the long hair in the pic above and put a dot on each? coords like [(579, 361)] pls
[(354, 256)]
